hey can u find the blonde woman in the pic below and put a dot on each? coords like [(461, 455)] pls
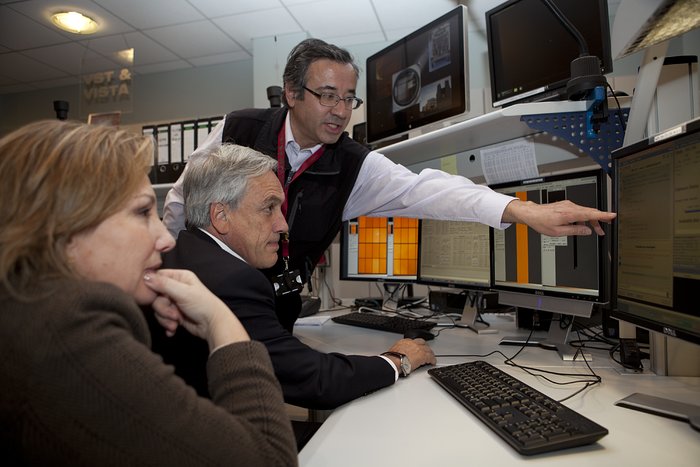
[(80, 247)]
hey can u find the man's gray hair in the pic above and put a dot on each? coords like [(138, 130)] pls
[(221, 177)]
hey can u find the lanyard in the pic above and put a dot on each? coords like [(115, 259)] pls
[(281, 158)]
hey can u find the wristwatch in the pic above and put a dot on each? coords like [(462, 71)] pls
[(405, 362)]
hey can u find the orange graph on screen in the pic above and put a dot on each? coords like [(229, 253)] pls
[(521, 246), (374, 238)]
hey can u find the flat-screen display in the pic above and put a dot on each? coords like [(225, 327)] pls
[(381, 249), (530, 51), (419, 80), (656, 248), (454, 254), (553, 273)]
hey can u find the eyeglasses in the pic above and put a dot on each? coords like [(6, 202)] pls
[(328, 99)]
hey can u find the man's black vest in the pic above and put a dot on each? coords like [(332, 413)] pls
[(316, 198)]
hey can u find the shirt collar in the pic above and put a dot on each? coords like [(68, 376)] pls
[(292, 148), (224, 246)]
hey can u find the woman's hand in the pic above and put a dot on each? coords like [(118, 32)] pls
[(184, 301)]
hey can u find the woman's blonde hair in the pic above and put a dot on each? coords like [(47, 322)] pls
[(59, 178)]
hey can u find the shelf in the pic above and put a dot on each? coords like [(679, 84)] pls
[(485, 130)]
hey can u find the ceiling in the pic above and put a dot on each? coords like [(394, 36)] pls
[(177, 34)]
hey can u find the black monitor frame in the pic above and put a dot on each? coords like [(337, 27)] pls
[(524, 67), (561, 300), (345, 275), (667, 320), (392, 110), (464, 283)]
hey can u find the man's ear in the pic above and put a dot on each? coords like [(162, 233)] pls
[(218, 215), (290, 95)]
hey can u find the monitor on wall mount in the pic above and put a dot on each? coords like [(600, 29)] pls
[(530, 51), (420, 81)]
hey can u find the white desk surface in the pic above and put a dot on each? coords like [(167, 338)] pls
[(417, 423)]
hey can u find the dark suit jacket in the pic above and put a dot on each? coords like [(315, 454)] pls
[(309, 378)]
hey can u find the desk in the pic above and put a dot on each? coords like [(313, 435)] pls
[(417, 423)]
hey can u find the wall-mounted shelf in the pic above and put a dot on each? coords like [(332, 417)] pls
[(502, 125)]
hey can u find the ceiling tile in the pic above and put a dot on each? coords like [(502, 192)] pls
[(193, 39), (13, 28), (66, 57), (337, 16), (146, 50), (245, 26), (396, 14), (55, 83), (140, 13), (21, 68), (221, 58), (215, 8), (13, 88), (160, 67), (40, 11)]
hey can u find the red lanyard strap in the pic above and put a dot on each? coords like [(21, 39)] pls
[(281, 168)]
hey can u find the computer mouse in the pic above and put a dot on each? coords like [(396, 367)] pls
[(418, 333)]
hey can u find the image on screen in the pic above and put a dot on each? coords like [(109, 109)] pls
[(420, 79), (454, 254), (657, 238), (568, 267), (380, 249)]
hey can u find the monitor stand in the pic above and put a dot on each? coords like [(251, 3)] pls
[(473, 306), (556, 339)]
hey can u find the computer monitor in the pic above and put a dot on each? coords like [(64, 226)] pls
[(530, 50), (656, 248), (419, 80), (456, 255), (656, 253), (562, 275), (379, 249)]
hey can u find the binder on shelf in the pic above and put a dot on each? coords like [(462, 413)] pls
[(213, 122), (202, 131), (189, 139), (163, 139), (150, 130), (176, 164)]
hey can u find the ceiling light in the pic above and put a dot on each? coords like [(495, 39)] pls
[(74, 22)]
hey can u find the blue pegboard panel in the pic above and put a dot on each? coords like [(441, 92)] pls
[(575, 128)]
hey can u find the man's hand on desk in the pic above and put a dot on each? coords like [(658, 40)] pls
[(416, 350), (557, 219)]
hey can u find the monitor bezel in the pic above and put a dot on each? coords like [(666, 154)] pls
[(667, 137), (343, 273), (401, 131), (457, 285), (547, 90), (603, 245)]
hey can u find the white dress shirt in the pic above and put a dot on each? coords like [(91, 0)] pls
[(382, 188)]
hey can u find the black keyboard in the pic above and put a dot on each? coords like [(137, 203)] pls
[(379, 322), (529, 421)]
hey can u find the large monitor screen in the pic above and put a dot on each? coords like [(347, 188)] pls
[(379, 249), (419, 80), (454, 254), (530, 51), (548, 270), (657, 237)]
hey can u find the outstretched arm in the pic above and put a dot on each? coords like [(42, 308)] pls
[(557, 219)]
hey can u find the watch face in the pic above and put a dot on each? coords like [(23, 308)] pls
[(405, 365)]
